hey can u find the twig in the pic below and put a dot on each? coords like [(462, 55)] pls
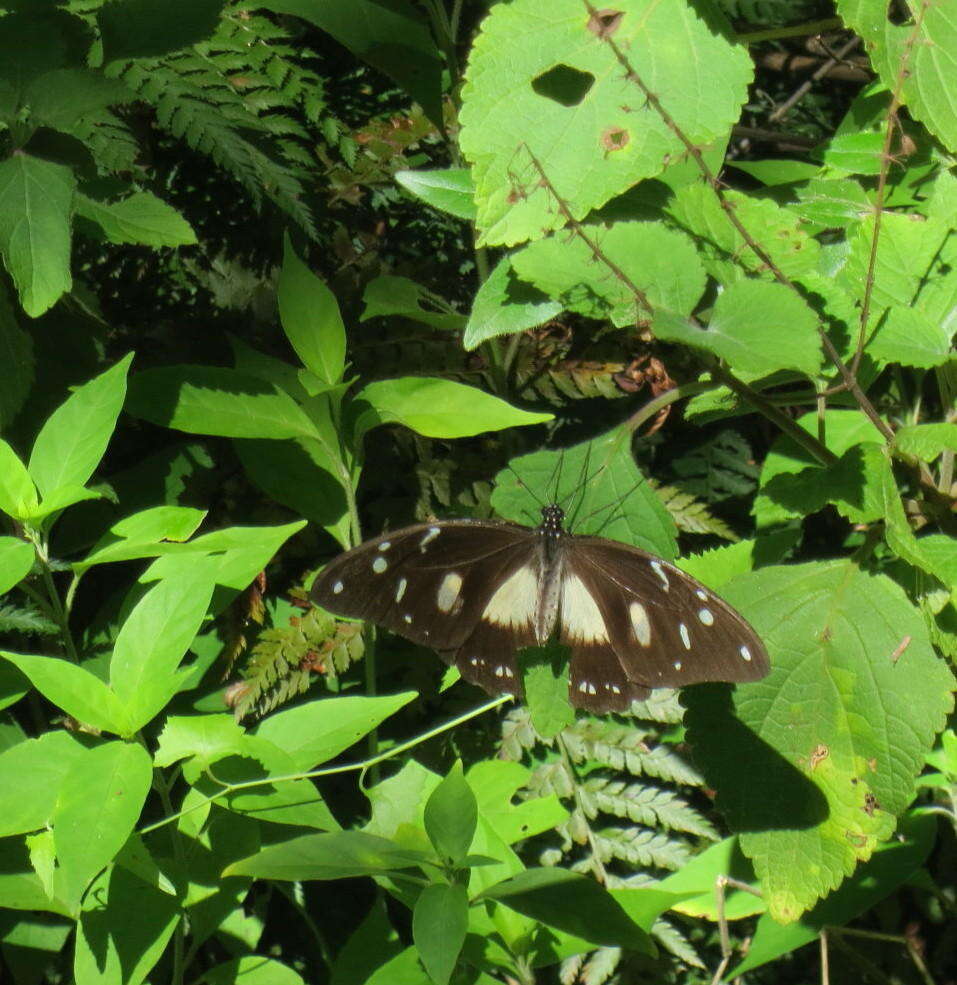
[(805, 87)]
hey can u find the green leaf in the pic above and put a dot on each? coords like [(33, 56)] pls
[(545, 677), (147, 28), (252, 969), (16, 560), (74, 689), (757, 327), (566, 100), (16, 354), (440, 921), (60, 499), (448, 190), (139, 535), (310, 318), (153, 640), (496, 784), (317, 731), (855, 153), (73, 439), (337, 855), (910, 337), (505, 305), (835, 735), (99, 802), (390, 295), (140, 218), (437, 408), (30, 777), (573, 903), (214, 400), (36, 199), (926, 441), (890, 867), (204, 739), (713, 568), (61, 97), (662, 263), (370, 944), (18, 495), (451, 814), (123, 930), (597, 484)]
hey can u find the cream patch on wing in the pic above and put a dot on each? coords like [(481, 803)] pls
[(640, 625), (449, 591), (515, 602), (581, 618)]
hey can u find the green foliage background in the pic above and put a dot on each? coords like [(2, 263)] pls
[(278, 277)]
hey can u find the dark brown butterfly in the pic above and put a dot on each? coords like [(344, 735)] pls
[(477, 591)]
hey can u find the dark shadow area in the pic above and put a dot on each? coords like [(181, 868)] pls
[(564, 84)]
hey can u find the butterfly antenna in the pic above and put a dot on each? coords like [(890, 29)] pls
[(583, 479), (533, 521), (614, 507)]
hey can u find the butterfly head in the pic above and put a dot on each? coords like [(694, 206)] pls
[(552, 518)]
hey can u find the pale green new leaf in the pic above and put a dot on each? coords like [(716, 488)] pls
[(310, 318), (438, 408), (449, 190), (440, 921), (541, 81), (908, 336), (390, 295), (659, 262), (36, 200), (505, 305), (140, 535), (835, 736), (73, 439), (926, 441), (16, 560), (140, 218), (18, 495)]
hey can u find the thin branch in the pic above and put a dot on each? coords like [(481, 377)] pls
[(805, 87)]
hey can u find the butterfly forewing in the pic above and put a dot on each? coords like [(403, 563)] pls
[(666, 628)]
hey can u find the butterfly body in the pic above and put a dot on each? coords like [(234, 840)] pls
[(478, 591)]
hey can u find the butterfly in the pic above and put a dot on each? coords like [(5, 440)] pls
[(477, 591)]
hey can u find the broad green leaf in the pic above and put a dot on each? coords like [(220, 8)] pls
[(147, 28), (16, 354), (74, 689), (30, 776), (757, 327), (831, 202), (35, 39), (496, 783), (713, 568), (597, 484), (777, 172), (61, 498), (123, 930), (545, 680), (404, 967), (573, 903), (855, 153), (204, 739), (154, 638), (908, 336), (659, 262), (16, 560), (338, 855), (390, 295), (505, 305), (13, 684), (392, 38), (310, 318), (139, 535), (451, 814), (440, 921), (373, 942), (18, 495), (299, 474), (36, 200), (834, 737), (931, 59), (398, 803), (214, 400), (892, 864), (437, 408), (73, 439), (316, 732), (61, 97), (926, 441), (252, 969), (99, 802), (140, 218), (449, 190), (567, 101)]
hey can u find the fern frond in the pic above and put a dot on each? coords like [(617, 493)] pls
[(26, 619), (641, 847), (673, 940), (719, 468), (690, 514), (646, 805)]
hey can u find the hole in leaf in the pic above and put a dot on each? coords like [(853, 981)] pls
[(604, 23), (614, 138), (564, 84)]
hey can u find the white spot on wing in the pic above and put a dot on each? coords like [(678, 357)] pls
[(616, 689), (685, 636), (677, 665), (639, 623), (337, 588), (706, 616), (702, 594), (515, 602), (660, 572), (385, 545), (583, 687), (449, 591), (745, 653), (428, 537), (499, 671), (407, 618), (581, 618), (592, 689), (379, 565), (400, 589)]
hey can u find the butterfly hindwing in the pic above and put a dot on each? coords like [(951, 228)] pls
[(432, 583), (666, 628)]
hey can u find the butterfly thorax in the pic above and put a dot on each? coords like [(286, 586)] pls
[(552, 535)]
